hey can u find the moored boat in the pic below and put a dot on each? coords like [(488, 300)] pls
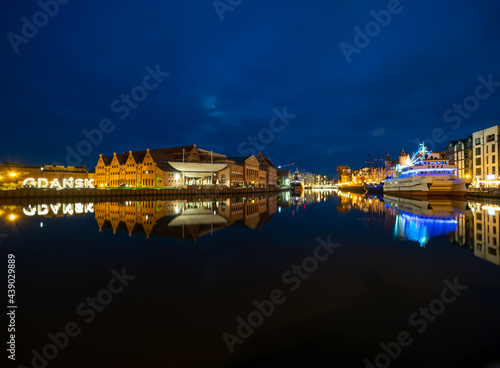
[(425, 175), (374, 188), (297, 183)]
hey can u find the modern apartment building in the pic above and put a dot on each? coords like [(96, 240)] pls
[(485, 156)]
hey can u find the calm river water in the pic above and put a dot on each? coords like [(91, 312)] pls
[(325, 280)]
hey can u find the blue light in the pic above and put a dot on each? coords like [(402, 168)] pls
[(420, 229)]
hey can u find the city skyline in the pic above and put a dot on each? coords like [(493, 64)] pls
[(235, 81)]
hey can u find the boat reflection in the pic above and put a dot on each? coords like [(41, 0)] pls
[(420, 220), (467, 224)]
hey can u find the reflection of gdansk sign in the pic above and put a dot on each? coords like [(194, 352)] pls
[(65, 209), (66, 183)]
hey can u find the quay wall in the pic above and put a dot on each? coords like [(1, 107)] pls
[(142, 193), (353, 189), (483, 193)]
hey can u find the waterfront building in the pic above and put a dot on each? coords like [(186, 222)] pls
[(252, 174), (284, 177), (166, 167), (177, 167), (266, 165), (320, 180), (390, 164), (459, 153), (16, 174), (309, 180), (485, 157), (344, 173), (371, 174)]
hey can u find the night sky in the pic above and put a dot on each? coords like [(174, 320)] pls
[(233, 69)]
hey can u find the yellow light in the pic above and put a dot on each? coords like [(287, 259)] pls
[(467, 176), (12, 217), (12, 174)]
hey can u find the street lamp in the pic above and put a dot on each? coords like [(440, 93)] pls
[(13, 174)]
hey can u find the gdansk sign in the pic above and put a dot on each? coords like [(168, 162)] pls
[(66, 183)]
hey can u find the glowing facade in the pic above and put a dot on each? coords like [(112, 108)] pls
[(17, 175), (485, 157), (177, 167)]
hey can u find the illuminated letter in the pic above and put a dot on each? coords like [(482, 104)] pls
[(43, 181), (89, 207), (68, 209), (79, 183), (88, 183), (30, 182), (31, 212), (68, 183), (55, 208), (78, 208), (56, 184), (43, 209)]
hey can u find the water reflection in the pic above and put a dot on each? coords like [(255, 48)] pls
[(467, 224), (184, 218), (46, 210), (191, 218)]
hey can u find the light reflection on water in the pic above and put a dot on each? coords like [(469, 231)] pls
[(467, 224), (393, 257)]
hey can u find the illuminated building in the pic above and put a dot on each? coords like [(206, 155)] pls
[(459, 153), (266, 165), (308, 179), (164, 167), (485, 157), (390, 165), (344, 173), (251, 172), (16, 174), (285, 177), (176, 167), (320, 180)]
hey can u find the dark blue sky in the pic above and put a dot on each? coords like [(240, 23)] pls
[(226, 77)]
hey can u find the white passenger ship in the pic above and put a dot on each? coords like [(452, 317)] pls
[(424, 176)]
